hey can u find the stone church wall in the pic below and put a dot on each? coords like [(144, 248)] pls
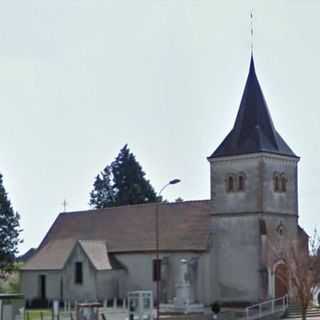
[(206, 290), (235, 202), (236, 258), (258, 195), (280, 202), (236, 252)]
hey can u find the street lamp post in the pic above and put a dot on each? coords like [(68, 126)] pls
[(157, 261)]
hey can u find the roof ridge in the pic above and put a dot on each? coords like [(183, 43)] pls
[(99, 210), (131, 228)]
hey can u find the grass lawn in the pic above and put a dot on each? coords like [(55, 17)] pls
[(36, 314)]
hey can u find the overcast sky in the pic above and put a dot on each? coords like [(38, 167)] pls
[(81, 78)]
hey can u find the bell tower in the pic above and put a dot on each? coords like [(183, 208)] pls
[(254, 170), (253, 176)]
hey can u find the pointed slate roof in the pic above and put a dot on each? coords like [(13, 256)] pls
[(253, 130)]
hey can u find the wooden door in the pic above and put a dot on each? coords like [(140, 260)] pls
[(281, 281)]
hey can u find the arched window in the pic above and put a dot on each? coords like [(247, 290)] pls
[(279, 182), (283, 182), (230, 183), (241, 182), (235, 182), (276, 182)]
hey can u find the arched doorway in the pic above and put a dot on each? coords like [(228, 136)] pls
[(316, 296), (281, 280)]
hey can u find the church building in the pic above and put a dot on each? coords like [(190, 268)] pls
[(105, 253)]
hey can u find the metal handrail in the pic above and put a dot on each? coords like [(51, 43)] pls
[(261, 310)]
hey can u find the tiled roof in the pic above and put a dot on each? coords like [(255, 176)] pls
[(182, 225), (52, 256), (97, 253), (253, 131), (26, 256)]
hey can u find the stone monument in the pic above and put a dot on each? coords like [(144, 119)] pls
[(184, 300)]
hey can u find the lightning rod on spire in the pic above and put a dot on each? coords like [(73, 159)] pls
[(64, 204), (251, 30)]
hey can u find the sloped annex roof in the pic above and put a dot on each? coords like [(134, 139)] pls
[(54, 255), (182, 225), (26, 256), (97, 253), (253, 131)]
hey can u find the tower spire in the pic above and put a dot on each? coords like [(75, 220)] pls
[(253, 130)]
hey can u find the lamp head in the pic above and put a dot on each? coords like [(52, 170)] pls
[(174, 181)]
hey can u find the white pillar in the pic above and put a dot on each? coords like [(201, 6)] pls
[(270, 283)]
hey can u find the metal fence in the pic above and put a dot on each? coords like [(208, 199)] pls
[(267, 308), (104, 314), (45, 315)]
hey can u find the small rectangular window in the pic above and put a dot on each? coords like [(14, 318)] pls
[(78, 273)]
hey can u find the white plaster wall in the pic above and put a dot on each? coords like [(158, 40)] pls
[(109, 283), (80, 292), (31, 284), (139, 271), (102, 285)]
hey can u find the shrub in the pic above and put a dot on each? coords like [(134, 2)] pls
[(215, 307)]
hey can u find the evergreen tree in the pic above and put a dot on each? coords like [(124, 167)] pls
[(9, 232), (102, 195), (129, 180), (123, 183)]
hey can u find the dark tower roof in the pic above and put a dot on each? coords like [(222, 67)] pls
[(253, 130)]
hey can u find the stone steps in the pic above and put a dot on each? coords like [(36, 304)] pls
[(294, 311)]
